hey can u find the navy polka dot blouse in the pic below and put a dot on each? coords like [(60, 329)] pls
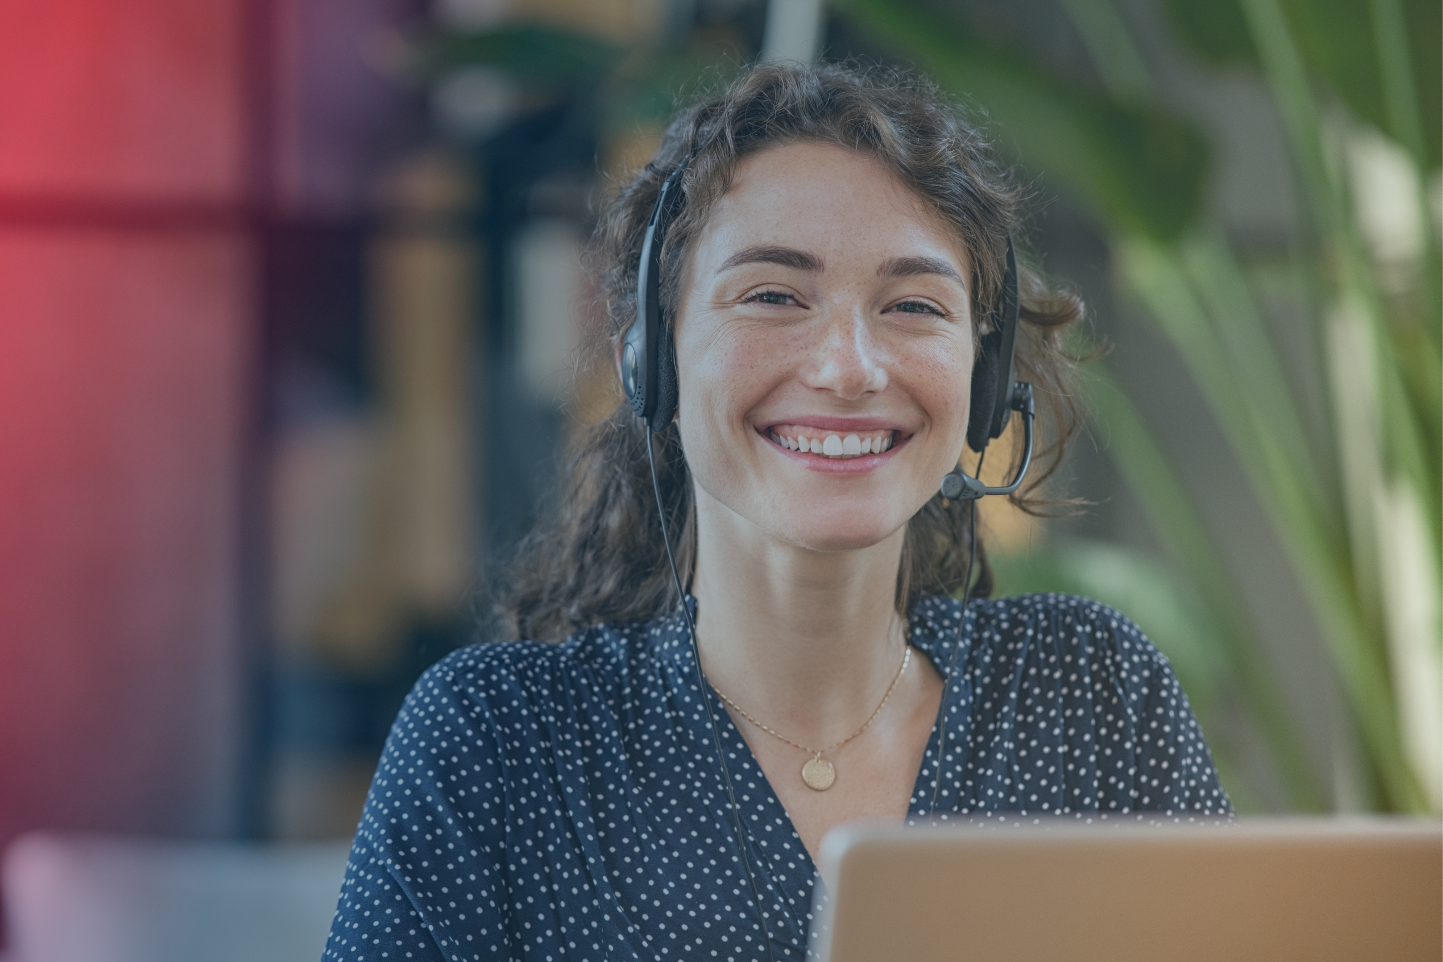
[(549, 802)]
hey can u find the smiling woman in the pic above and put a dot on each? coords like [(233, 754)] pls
[(657, 782)]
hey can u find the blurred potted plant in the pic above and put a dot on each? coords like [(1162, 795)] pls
[(1359, 517)]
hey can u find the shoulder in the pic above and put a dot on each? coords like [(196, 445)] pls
[(1055, 643), (1056, 623), (504, 679), (1048, 632)]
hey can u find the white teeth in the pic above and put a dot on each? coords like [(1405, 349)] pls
[(835, 445)]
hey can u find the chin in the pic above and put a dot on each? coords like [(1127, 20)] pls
[(842, 542), (838, 529)]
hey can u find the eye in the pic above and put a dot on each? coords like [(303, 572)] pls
[(780, 298), (917, 307)]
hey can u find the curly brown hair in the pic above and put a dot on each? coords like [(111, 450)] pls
[(598, 557)]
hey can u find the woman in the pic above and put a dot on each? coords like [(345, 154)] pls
[(829, 266)]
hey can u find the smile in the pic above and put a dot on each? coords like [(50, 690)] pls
[(831, 444)]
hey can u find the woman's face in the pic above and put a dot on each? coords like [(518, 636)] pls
[(824, 307)]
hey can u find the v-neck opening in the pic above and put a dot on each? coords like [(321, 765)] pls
[(931, 643)]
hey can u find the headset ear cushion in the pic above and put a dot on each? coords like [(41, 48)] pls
[(984, 392), (666, 391)]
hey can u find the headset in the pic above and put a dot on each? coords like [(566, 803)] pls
[(649, 380)]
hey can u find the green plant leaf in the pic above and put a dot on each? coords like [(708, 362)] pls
[(1217, 31), (1338, 41), (648, 86), (1138, 168), (530, 52)]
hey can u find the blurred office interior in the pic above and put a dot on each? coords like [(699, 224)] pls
[(290, 297)]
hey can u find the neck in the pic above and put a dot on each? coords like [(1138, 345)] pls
[(805, 640)]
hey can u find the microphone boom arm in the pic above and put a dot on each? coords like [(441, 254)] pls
[(957, 486)]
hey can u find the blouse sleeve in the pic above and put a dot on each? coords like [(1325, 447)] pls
[(424, 880), (1175, 771), (374, 919), (1157, 747)]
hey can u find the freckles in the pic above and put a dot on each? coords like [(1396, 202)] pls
[(943, 369), (751, 365)]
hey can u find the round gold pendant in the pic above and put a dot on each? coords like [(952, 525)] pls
[(819, 774)]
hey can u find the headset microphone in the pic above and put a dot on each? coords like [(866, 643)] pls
[(957, 486), (995, 395)]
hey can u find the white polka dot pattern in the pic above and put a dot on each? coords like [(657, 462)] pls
[(548, 802)]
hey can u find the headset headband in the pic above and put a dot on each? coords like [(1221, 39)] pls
[(648, 363)]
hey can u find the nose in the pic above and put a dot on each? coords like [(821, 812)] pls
[(846, 359)]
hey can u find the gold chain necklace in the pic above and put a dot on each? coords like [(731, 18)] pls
[(818, 773)]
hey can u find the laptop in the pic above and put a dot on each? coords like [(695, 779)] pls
[(1253, 890)]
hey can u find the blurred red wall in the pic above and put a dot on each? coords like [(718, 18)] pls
[(127, 321)]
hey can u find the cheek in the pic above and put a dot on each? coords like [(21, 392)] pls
[(714, 382), (724, 371), (942, 383), (712, 426)]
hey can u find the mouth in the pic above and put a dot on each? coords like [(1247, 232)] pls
[(834, 445)]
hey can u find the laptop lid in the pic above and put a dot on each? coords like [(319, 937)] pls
[(1254, 890)]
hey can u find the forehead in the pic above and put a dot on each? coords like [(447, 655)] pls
[(825, 198)]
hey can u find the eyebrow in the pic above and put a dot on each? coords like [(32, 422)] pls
[(785, 256), (807, 261), (913, 266)]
